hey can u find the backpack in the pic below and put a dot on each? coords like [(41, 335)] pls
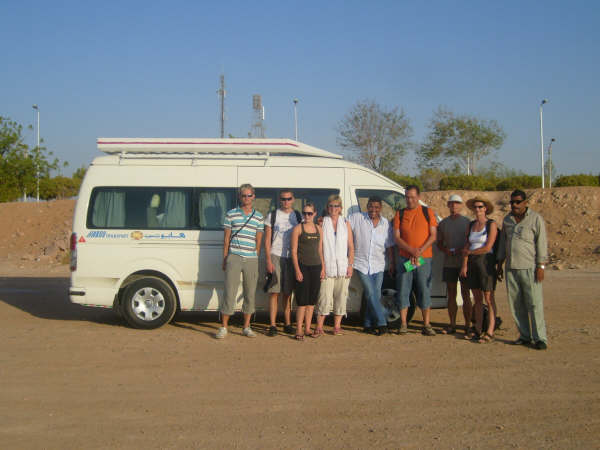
[(274, 217), (488, 225)]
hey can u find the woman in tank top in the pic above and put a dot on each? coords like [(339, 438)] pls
[(479, 266), (307, 257)]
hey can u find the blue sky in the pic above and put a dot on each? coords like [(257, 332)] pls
[(151, 69)]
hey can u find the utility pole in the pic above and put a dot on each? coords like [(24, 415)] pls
[(550, 163), (221, 93), (542, 138), (37, 154), (296, 118)]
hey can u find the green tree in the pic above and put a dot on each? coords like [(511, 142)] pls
[(378, 137), (19, 165), (459, 139)]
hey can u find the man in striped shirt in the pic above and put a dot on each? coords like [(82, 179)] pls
[(243, 234)]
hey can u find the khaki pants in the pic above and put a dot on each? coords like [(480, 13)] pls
[(333, 296), (526, 303), (235, 266)]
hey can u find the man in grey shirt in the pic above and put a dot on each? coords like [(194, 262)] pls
[(524, 246), (451, 239)]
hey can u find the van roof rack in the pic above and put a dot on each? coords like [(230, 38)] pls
[(193, 146)]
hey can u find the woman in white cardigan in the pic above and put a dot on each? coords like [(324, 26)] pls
[(338, 253)]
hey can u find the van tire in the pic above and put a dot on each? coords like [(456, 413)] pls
[(148, 303)]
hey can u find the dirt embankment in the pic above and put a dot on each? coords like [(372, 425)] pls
[(37, 234), (572, 218)]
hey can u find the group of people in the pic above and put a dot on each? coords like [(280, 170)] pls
[(315, 260)]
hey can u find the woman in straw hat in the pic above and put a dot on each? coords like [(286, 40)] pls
[(479, 265)]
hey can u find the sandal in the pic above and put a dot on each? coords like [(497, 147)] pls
[(309, 334), (317, 333), (449, 330), (486, 338), (299, 337), (470, 334), (337, 332)]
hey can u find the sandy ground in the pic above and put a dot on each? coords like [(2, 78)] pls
[(76, 377)]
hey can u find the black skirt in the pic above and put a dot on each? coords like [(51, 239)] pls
[(481, 272)]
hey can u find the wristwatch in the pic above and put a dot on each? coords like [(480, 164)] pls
[(541, 266)]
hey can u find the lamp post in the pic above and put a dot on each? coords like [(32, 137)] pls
[(296, 118), (550, 163), (37, 154), (542, 137)]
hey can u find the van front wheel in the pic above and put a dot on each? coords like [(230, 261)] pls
[(148, 303)]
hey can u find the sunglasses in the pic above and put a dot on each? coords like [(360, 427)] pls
[(285, 199), (308, 213), (516, 202), (247, 195), (334, 206), (479, 206)]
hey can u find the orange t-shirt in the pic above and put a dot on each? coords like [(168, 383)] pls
[(414, 229)]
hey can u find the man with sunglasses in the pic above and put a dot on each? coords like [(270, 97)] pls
[(279, 225), (243, 234), (524, 246)]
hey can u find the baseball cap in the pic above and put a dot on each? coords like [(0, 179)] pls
[(455, 198)]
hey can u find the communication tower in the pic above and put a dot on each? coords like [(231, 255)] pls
[(258, 117)]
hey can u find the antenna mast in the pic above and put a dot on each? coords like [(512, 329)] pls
[(221, 93), (258, 127)]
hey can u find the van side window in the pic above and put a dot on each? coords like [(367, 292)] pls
[(144, 208), (213, 204), (267, 199), (391, 200)]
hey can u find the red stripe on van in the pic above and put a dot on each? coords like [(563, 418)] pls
[(198, 143)]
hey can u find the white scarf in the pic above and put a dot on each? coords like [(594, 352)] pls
[(335, 247)]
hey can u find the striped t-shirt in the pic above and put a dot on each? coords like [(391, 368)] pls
[(244, 242)]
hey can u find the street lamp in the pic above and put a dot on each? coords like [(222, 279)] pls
[(542, 137), (550, 163), (37, 154), (296, 117)]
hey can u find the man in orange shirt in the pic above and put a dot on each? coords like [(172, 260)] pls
[(415, 230)]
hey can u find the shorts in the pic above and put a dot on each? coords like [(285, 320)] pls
[(333, 296), (285, 275), (452, 275), (307, 292), (481, 272)]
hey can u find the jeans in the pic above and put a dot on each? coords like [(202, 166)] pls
[(375, 315), (420, 278)]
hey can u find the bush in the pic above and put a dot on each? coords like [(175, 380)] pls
[(404, 180), (468, 182), (577, 180), (519, 182), (58, 187)]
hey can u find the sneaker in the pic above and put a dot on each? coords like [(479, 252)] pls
[(272, 331), (248, 332), (289, 329), (428, 331), (521, 341), (381, 331), (368, 330), (221, 333), (541, 345), (403, 329)]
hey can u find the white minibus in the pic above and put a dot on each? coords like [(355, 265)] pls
[(148, 224)]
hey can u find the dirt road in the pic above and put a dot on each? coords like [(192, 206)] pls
[(75, 377)]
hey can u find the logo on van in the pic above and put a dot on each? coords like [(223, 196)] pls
[(101, 234), (137, 235), (169, 235)]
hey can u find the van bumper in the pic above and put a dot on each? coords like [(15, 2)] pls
[(77, 295)]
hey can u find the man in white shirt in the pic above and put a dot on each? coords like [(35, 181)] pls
[(279, 225), (372, 239)]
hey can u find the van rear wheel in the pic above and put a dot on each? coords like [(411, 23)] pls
[(148, 303)]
